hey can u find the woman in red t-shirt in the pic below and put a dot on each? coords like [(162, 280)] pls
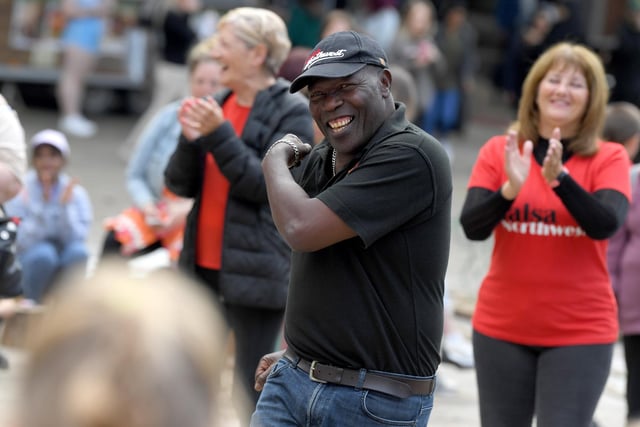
[(552, 193)]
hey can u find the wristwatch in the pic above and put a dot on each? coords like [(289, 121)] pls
[(559, 178)]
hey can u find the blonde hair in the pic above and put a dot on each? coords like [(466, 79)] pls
[(116, 352), (565, 55), (255, 26), (201, 52)]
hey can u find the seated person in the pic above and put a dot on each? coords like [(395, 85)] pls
[(55, 217)]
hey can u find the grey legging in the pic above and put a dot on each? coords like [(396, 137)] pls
[(560, 385)]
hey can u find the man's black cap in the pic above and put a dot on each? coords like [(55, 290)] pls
[(339, 55)]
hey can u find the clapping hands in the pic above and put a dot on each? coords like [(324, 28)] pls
[(552, 163), (199, 116), (516, 165)]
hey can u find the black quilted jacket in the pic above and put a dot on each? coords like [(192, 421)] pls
[(255, 259)]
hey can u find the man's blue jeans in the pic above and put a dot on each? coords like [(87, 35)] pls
[(291, 398)]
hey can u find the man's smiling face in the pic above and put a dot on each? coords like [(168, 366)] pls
[(349, 110)]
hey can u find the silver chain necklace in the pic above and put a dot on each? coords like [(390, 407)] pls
[(333, 161)]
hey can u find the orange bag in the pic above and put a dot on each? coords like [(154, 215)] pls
[(133, 232)]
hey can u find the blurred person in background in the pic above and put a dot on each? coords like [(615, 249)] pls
[(457, 43), (380, 19), (404, 89), (157, 217), (622, 126), (337, 20), (85, 26), (623, 255), (415, 49), (177, 34), (231, 244), (537, 26), (55, 217), (624, 63), (304, 21)]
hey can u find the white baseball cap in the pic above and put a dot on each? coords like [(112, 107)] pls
[(51, 137)]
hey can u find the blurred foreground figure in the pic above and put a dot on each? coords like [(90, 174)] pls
[(116, 352)]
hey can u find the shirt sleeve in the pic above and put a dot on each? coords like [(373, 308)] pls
[(600, 206), (137, 185), (482, 211), (392, 186), (599, 214)]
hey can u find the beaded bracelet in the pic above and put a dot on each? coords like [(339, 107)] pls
[(296, 151)]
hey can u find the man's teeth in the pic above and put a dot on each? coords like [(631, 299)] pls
[(337, 124)]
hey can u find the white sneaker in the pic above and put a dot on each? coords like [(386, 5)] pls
[(457, 350), (77, 125)]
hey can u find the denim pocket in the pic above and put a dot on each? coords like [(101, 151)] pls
[(279, 366), (391, 410)]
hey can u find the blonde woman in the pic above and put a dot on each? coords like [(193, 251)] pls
[(231, 243), (157, 217)]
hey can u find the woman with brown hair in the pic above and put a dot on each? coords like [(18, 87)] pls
[(551, 192)]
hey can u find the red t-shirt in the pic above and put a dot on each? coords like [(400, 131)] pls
[(548, 283), (215, 191)]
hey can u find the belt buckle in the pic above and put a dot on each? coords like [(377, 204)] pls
[(311, 370)]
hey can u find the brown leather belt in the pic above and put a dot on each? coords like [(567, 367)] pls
[(390, 384)]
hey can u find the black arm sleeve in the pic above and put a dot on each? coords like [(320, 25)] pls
[(482, 211), (184, 172), (599, 214)]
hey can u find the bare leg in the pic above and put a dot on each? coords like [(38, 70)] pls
[(76, 67)]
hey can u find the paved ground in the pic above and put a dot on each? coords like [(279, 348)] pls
[(99, 167)]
